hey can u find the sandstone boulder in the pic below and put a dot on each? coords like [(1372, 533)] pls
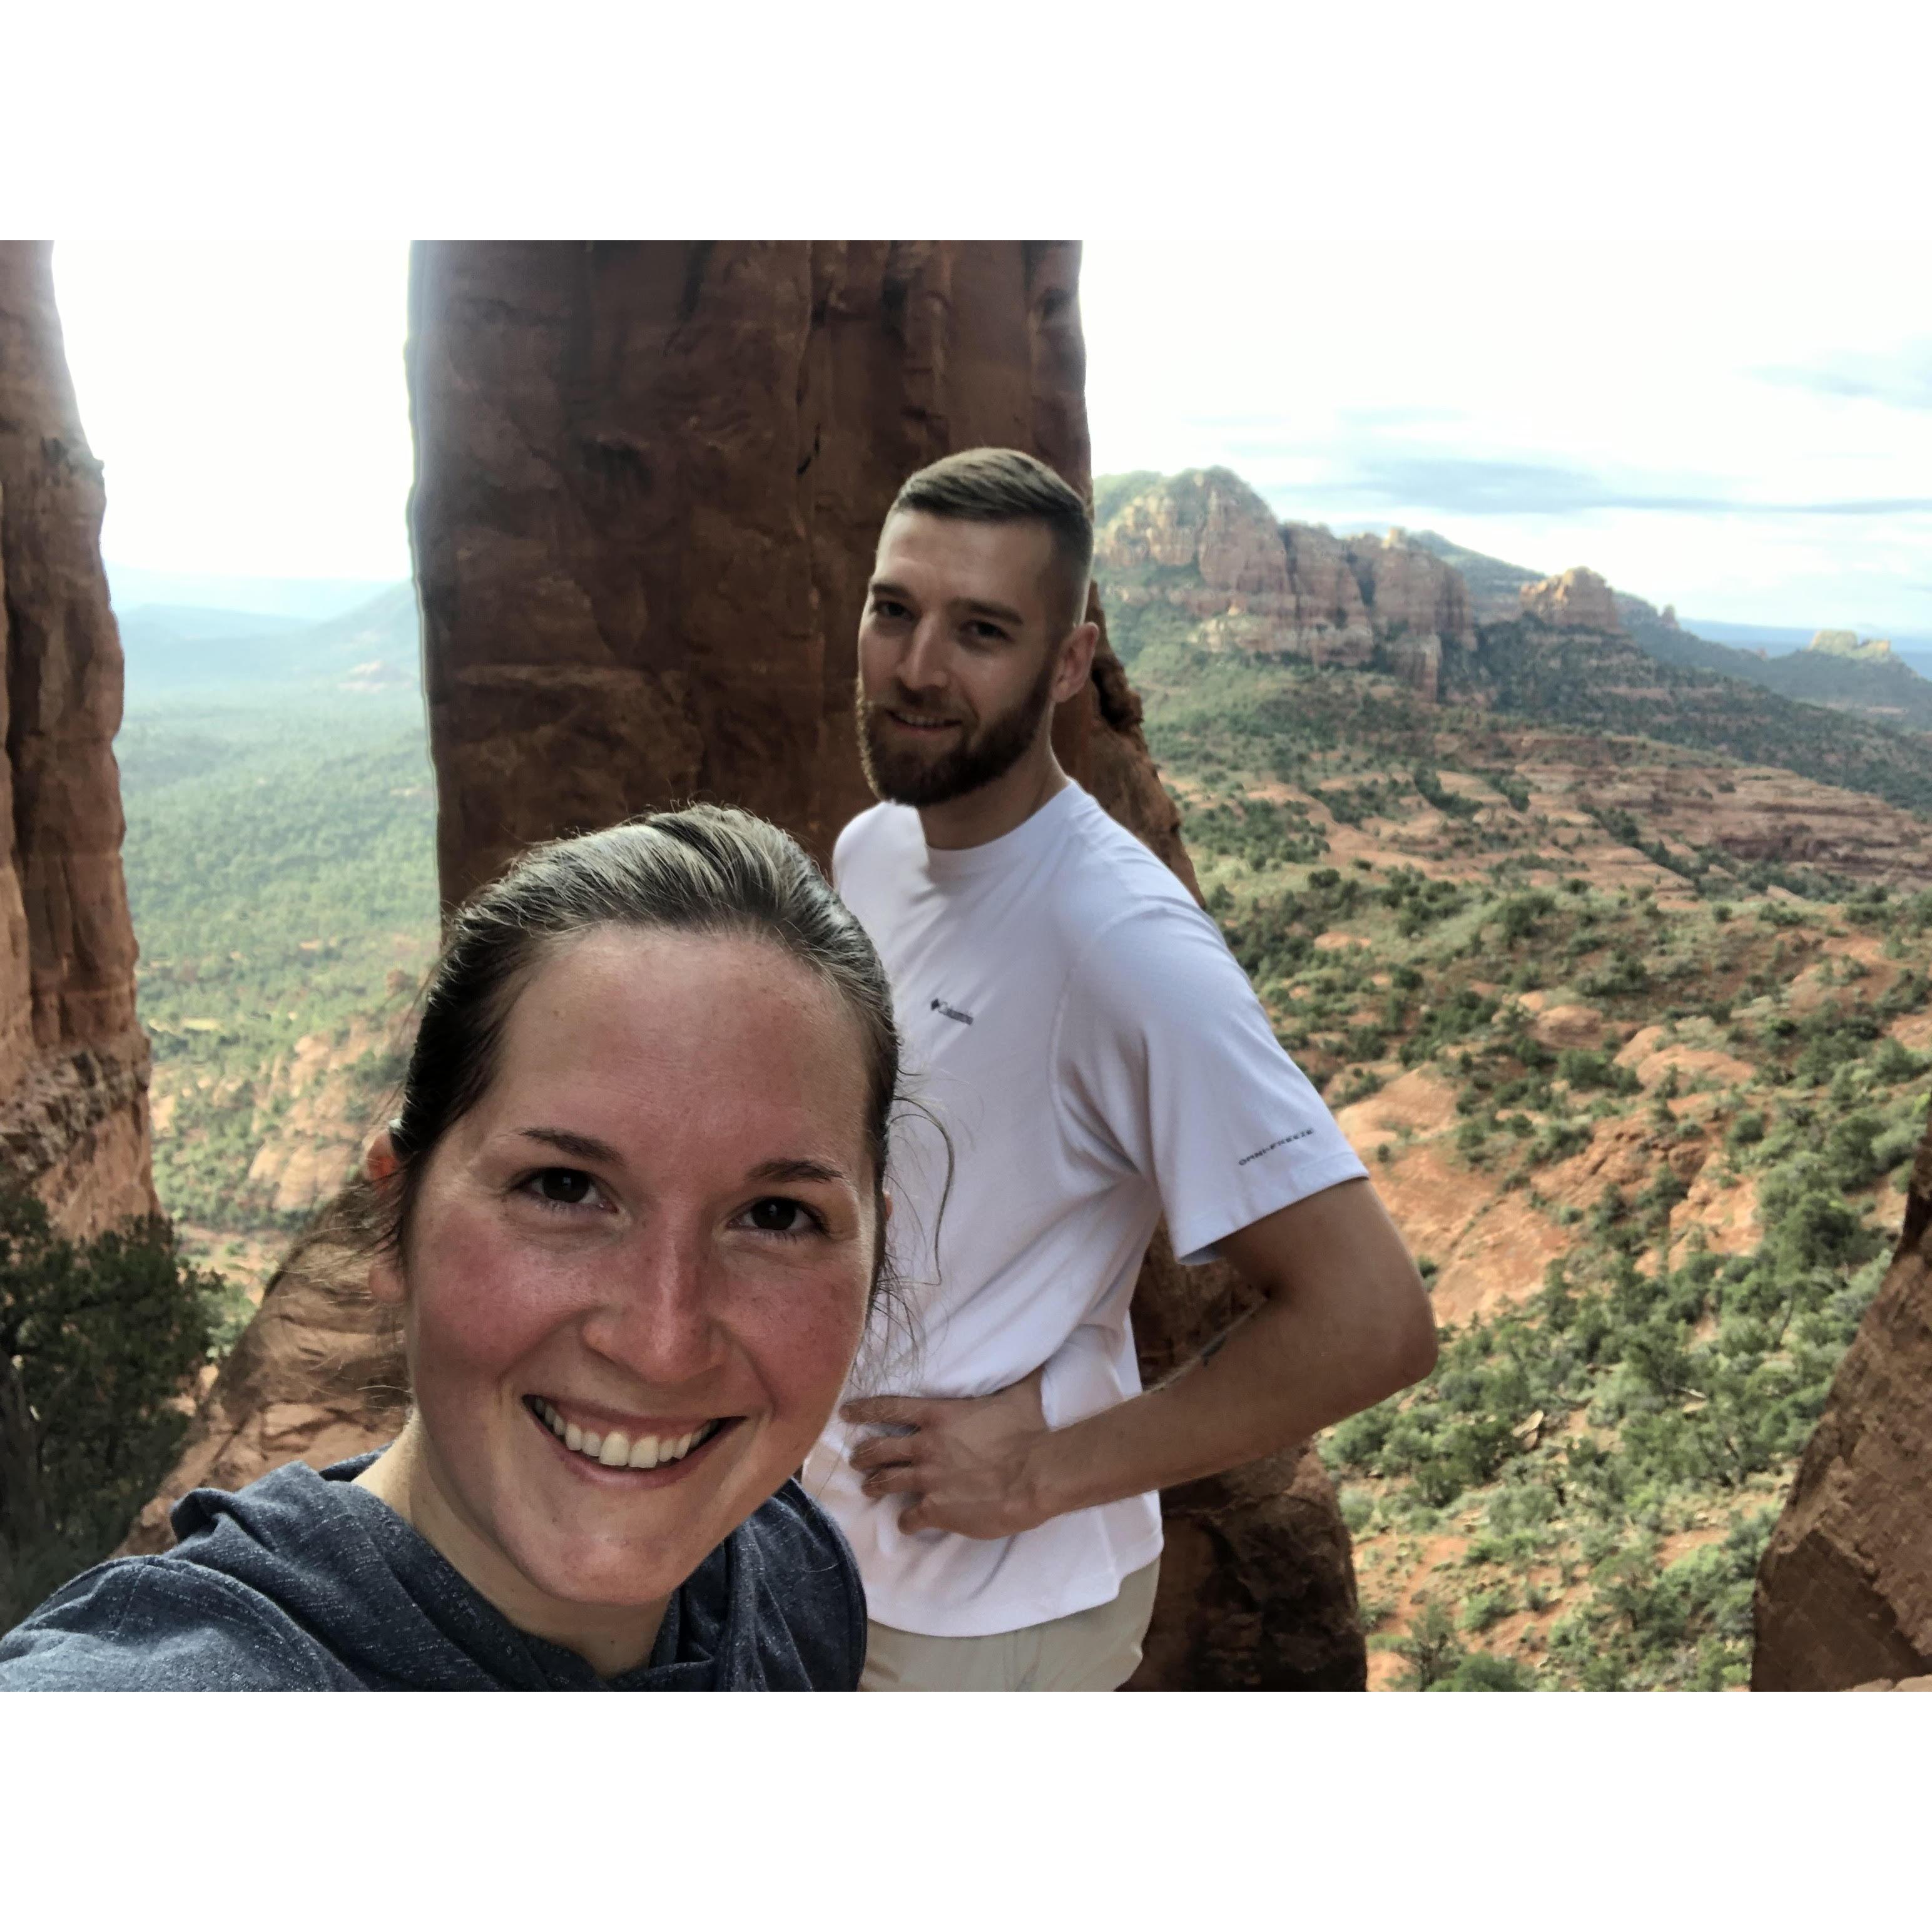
[(1844, 1592), (1576, 600), (74, 1063), (317, 1376)]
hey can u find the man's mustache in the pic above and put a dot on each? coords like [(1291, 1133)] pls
[(901, 699)]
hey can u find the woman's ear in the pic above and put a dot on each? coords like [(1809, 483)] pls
[(384, 1169), (885, 1210)]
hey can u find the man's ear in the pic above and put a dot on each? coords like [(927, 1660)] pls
[(380, 1163), (1076, 661)]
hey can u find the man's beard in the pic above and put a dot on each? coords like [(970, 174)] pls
[(902, 775)]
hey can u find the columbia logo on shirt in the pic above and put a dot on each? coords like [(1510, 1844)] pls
[(952, 1012)]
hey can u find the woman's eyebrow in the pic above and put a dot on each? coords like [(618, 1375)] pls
[(796, 1170), (585, 1147)]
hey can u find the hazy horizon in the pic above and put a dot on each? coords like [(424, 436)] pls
[(1651, 411)]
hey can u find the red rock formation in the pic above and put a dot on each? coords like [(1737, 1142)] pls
[(318, 1375), (1417, 605), (1330, 611), (1844, 1592), (1249, 584), (1281, 590), (649, 482), (1577, 600), (74, 1064)]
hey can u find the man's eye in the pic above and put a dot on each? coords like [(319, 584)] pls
[(561, 1187), (777, 1215), (884, 606)]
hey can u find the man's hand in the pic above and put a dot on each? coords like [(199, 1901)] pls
[(968, 1463)]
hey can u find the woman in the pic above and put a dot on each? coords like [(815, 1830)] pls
[(631, 1216)]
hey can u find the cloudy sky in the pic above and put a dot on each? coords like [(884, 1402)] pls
[(1744, 430)]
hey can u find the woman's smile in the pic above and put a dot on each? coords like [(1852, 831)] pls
[(663, 1449)]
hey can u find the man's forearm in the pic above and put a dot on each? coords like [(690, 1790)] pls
[(1330, 1338), (1255, 1388), (1345, 1322)]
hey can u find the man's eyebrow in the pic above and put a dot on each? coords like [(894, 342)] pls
[(585, 1147), (797, 1169), (1005, 613), (881, 587)]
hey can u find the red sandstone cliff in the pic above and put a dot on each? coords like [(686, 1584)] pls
[(1204, 545), (74, 1064), (1576, 600), (650, 478), (1844, 1592)]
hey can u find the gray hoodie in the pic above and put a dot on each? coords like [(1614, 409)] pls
[(303, 1581)]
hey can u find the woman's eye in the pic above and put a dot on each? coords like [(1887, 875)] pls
[(561, 1187), (777, 1215)]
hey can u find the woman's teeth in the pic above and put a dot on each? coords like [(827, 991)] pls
[(617, 1450)]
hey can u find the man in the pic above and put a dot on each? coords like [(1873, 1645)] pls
[(1095, 1057)]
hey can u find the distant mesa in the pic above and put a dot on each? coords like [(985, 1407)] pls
[(1847, 644), (1576, 600), (1200, 557)]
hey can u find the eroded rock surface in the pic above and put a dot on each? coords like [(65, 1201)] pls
[(1574, 600), (317, 1376), (74, 1064), (1204, 548), (1844, 1592), (650, 476)]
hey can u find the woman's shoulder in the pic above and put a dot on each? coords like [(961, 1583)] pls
[(158, 1623), (814, 1602)]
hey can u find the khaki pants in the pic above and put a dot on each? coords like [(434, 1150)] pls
[(1092, 1650)]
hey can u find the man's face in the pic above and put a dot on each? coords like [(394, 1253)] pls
[(959, 650)]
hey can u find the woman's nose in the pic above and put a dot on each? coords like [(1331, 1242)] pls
[(659, 1317)]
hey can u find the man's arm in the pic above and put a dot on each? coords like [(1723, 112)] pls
[(1345, 1322)]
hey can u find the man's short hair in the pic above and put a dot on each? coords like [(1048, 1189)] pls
[(1007, 486)]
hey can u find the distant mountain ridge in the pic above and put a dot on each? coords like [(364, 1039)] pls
[(1888, 688), (1195, 566), (174, 651)]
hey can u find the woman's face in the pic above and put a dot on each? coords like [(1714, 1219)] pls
[(655, 1235)]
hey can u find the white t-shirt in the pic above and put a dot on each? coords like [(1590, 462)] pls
[(1078, 1025)]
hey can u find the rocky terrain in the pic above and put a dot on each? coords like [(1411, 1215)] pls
[(1643, 1100), (74, 1063)]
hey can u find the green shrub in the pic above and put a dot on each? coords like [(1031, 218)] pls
[(1482, 1672), (98, 1341)]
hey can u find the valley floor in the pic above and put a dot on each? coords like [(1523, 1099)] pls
[(1634, 1040)]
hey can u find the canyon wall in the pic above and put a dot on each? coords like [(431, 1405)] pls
[(1844, 1592), (650, 480), (74, 1063)]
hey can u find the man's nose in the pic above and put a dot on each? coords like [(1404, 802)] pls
[(923, 666), (659, 1317)]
